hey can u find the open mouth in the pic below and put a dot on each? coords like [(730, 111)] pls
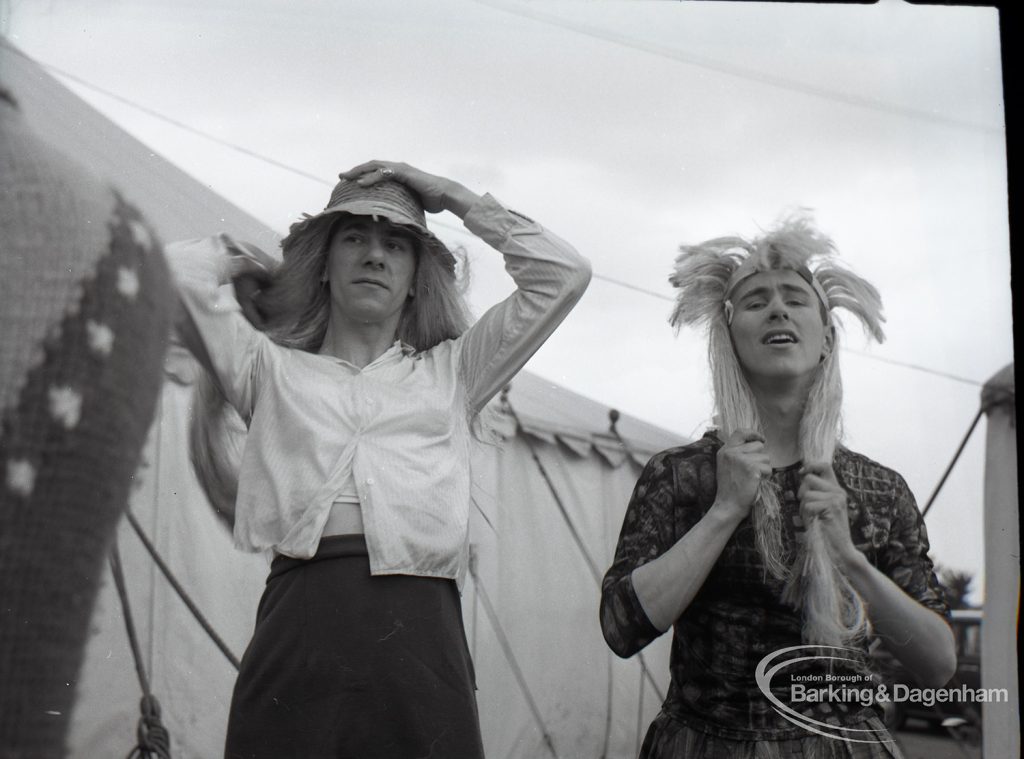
[(781, 337)]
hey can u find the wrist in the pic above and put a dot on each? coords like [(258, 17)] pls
[(458, 199), (853, 563), (727, 512)]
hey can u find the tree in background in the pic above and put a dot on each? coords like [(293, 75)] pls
[(958, 586)]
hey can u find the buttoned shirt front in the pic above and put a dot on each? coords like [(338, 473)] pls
[(399, 428)]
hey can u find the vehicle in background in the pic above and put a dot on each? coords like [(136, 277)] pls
[(966, 625)]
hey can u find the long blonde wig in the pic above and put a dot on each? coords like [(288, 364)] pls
[(294, 309), (704, 275)]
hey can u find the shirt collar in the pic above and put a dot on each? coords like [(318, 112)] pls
[(397, 351)]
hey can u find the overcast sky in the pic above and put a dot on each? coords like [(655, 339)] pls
[(627, 128)]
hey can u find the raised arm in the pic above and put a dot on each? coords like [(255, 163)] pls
[(550, 277), (211, 324)]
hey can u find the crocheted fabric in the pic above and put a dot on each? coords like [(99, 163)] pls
[(85, 307)]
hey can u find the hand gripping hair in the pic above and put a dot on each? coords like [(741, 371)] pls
[(705, 276)]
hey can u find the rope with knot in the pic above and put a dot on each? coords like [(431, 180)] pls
[(154, 742)]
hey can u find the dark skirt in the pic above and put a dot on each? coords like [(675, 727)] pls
[(343, 665)]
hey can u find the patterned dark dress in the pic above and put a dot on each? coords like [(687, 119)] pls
[(714, 707)]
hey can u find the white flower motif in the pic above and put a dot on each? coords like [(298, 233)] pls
[(101, 337), (21, 477), (66, 405), (140, 234), (127, 283)]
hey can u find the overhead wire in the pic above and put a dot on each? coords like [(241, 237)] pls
[(740, 72), (434, 222), (623, 41), (450, 227), (164, 117)]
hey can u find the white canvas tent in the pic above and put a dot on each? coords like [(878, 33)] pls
[(544, 674), (550, 499), (553, 495), (559, 487)]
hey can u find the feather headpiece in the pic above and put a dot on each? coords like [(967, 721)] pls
[(706, 276)]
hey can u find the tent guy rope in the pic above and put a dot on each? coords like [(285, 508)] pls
[(154, 742), (577, 538)]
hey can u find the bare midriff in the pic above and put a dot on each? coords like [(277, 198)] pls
[(345, 519)]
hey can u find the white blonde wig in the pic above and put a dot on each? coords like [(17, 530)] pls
[(705, 276)]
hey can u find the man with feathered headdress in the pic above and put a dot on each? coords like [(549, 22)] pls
[(773, 550)]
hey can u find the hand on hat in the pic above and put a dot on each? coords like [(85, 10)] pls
[(436, 193)]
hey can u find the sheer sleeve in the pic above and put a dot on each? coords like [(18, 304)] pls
[(648, 530), (905, 560)]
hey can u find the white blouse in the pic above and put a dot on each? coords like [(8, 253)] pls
[(399, 427)]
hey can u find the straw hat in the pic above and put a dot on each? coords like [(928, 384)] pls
[(389, 200)]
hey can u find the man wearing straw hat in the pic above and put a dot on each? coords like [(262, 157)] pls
[(361, 388)]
